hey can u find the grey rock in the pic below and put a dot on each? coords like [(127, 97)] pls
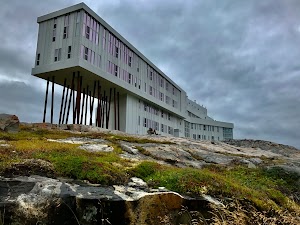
[(9, 123)]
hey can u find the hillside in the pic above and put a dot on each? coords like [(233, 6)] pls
[(51, 174)]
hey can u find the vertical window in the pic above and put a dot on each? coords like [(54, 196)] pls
[(86, 53), (69, 52), (54, 29), (116, 52), (145, 122), (151, 75), (116, 70), (129, 61), (129, 78), (87, 32), (140, 83), (99, 61), (38, 59), (66, 27), (150, 90), (57, 54)]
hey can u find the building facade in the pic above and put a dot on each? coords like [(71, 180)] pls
[(107, 82)]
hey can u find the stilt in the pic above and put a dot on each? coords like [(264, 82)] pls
[(78, 97), (98, 107), (115, 109), (92, 105), (46, 99), (82, 106), (74, 105), (108, 113), (62, 102), (66, 102), (70, 99), (118, 100), (52, 99), (86, 104), (104, 109)]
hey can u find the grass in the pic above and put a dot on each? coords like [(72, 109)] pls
[(266, 189)]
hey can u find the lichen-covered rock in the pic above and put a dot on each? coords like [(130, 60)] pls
[(9, 123)]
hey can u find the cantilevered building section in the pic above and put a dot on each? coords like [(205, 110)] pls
[(108, 83)]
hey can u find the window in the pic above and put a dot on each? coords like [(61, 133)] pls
[(87, 32), (217, 129), (169, 116), (86, 53), (140, 84), (116, 70), (66, 27), (162, 114), (116, 52), (204, 127), (145, 122), (69, 52), (138, 69), (129, 78), (151, 75), (54, 30), (129, 61), (38, 59), (162, 128), (57, 55), (150, 90), (161, 96), (213, 128)]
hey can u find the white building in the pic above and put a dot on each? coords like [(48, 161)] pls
[(107, 81)]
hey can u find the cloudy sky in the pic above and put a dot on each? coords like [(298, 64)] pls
[(240, 59)]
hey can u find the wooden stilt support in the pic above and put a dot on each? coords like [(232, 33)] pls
[(115, 109), (46, 98), (104, 109), (70, 99), (108, 112), (118, 100), (78, 97), (52, 99), (86, 104), (62, 102), (92, 105), (98, 106), (82, 106), (65, 105)]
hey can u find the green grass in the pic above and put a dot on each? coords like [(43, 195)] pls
[(267, 189), (263, 188)]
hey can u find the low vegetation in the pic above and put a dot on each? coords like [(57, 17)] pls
[(271, 191)]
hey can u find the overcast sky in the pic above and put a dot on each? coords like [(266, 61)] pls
[(240, 59)]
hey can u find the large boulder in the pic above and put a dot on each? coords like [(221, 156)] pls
[(9, 123)]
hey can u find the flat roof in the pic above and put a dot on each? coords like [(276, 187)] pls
[(106, 25)]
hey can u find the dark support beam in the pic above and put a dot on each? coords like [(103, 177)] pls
[(62, 102), (118, 100), (92, 105), (82, 106), (98, 105), (115, 109), (100, 109), (86, 104), (104, 109), (74, 105), (78, 97), (46, 99), (52, 99), (65, 106), (108, 113), (70, 99)]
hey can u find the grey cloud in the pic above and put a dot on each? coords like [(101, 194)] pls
[(238, 58)]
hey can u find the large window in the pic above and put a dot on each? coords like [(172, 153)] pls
[(57, 54), (66, 27)]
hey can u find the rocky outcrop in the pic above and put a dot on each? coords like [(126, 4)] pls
[(41, 200), (9, 123)]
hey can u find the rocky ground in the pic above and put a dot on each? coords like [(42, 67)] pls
[(32, 193)]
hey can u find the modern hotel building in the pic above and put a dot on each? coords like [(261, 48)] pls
[(107, 82)]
